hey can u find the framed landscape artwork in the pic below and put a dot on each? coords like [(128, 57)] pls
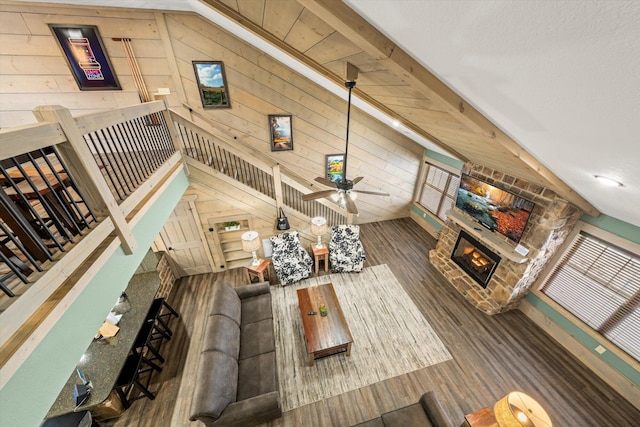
[(212, 84), (281, 133), (86, 56), (334, 167)]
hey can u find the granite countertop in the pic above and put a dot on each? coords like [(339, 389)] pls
[(104, 358)]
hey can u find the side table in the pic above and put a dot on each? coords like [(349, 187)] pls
[(320, 254), (258, 271), (481, 418)]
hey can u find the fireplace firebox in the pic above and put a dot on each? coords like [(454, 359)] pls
[(474, 258)]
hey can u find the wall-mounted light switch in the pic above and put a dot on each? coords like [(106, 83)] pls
[(600, 349)]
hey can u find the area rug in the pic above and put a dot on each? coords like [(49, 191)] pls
[(390, 337)]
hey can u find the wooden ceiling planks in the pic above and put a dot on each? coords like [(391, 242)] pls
[(324, 34)]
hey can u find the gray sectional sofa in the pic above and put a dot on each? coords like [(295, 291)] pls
[(237, 380), (428, 412)]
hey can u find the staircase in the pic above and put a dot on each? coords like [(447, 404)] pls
[(212, 153)]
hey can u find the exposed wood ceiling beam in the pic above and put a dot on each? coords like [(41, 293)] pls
[(299, 56), (364, 35)]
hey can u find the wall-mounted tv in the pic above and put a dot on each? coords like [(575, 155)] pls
[(496, 209)]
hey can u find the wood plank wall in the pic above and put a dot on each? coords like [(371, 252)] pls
[(33, 72)]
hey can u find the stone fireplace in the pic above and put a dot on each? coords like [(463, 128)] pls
[(513, 271), (474, 258)]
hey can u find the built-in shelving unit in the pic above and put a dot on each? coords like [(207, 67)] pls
[(486, 237), (229, 240)]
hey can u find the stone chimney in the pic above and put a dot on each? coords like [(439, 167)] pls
[(549, 224)]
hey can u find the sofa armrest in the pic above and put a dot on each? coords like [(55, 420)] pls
[(435, 411), (253, 289), (252, 411)]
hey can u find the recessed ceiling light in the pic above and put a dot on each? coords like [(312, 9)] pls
[(608, 181), (395, 123)]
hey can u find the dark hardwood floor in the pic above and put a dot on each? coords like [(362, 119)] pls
[(492, 355)]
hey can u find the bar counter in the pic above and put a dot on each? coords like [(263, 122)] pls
[(104, 358)]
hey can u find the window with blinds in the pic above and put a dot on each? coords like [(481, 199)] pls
[(439, 191), (600, 284)]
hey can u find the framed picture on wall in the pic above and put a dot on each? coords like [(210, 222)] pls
[(86, 56), (281, 133), (212, 84), (334, 167)]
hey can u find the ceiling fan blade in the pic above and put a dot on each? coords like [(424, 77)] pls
[(318, 195), (350, 204), (375, 193), (325, 181), (358, 179)]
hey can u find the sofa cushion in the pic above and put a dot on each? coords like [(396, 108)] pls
[(434, 409), (257, 338), (222, 334), (256, 308), (216, 385), (225, 301), (257, 375), (408, 416)]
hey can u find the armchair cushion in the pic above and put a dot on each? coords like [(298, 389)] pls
[(290, 260), (346, 253)]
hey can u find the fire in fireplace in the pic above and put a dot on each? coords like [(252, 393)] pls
[(474, 258)]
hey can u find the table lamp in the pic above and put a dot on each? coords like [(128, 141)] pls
[(517, 409), (251, 243), (318, 228)]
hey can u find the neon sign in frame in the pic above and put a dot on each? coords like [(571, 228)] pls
[(86, 56)]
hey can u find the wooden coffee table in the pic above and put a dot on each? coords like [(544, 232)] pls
[(324, 335)]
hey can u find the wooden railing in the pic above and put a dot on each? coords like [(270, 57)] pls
[(225, 154), (73, 188)]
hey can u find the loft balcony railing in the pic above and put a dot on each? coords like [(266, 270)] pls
[(67, 178), (220, 152), (48, 206)]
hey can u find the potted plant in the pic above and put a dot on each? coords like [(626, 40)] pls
[(231, 225)]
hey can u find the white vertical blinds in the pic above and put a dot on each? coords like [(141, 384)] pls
[(439, 191), (600, 284)]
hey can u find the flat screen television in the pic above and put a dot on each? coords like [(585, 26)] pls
[(494, 208)]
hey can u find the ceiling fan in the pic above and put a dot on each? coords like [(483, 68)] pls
[(343, 188)]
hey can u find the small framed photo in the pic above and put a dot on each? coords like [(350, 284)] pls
[(281, 134), (334, 167), (86, 56), (212, 84)]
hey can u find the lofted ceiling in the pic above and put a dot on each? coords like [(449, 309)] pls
[(545, 91)]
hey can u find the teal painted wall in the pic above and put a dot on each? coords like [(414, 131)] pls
[(28, 395), (629, 232), (604, 222), (450, 161)]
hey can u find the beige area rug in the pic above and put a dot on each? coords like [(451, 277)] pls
[(390, 337)]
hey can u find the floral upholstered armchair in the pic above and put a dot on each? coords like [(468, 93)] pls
[(290, 261), (346, 253)]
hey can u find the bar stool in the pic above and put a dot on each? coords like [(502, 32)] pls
[(156, 314), (148, 339), (131, 377)]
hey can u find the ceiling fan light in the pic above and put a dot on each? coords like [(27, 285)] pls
[(610, 182)]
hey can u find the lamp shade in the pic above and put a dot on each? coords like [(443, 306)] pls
[(318, 226), (517, 409), (250, 241)]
